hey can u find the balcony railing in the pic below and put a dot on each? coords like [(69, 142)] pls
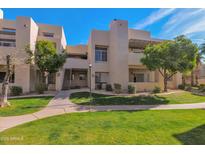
[(7, 33), (7, 44), (135, 58)]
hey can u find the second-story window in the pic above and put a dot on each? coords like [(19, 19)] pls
[(100, 54), (46, 34)]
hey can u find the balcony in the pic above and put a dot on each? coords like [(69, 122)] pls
[(134, 58), (7, 33), (76, 63), (7, 43)]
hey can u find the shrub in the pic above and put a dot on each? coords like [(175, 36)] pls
[(117, 88), (181, 86), (40, 88), (201, 86), (188, 87), (16, 90), (156, 90), (131, 89), (108, 87)]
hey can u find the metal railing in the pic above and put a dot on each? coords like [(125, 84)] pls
[(7, 44), (7, 33)]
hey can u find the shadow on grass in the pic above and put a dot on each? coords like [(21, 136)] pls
[(27, 98), (194, 136), (99, 99)]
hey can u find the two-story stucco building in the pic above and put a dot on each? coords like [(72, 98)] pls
[(114, 55)]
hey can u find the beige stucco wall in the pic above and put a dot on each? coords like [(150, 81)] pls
[(78, 49), (118, 61), (138, 34)]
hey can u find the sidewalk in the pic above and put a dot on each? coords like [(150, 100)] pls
[(60, 104)]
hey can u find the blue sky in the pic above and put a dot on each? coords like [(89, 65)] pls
[(78, 23)]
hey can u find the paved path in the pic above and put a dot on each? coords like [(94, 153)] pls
[(60, 104)]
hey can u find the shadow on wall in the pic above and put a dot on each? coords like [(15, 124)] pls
[(195, 136)]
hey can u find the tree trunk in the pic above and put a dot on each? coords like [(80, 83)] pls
[(183, 80), (165, 81), (5, 86), (192, 78), (196, 79), (165, 85)]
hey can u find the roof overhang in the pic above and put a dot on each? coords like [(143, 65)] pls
[(139, 43)]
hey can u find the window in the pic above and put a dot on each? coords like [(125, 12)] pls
[(139, 78), (2, 76), (46, 34), (82, 77), (52, 78), (100, 54), (101, 77)]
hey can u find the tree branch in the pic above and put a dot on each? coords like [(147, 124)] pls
[(160, 72)]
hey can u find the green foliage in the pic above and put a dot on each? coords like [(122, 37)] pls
[(83, 98), (117, 88), (16, 90), (40, 88), (46, 57), (131, 89), (156, 90), (159, 127), (188, 87), (201, 86), (108, 87), (181, 86), (22, 106), (170, 57)]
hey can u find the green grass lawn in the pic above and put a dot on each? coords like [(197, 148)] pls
[(20, 106), (121, 127), (82, 98)]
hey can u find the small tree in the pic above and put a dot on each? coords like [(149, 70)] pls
[(9, 61), (5, 84), (46, 58), (170, 57)]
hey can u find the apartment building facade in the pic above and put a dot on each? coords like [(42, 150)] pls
[(15, 35), (114, 55), (115, 58)]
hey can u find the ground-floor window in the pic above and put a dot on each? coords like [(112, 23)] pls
[(3, 74), (138, 77), (101, 77), (52, 78)]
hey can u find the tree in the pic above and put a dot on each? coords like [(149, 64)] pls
[(5, 85), (9, 61), (199, 59), (170, 57), (45, 58)]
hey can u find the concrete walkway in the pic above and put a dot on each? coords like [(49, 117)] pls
[(60, 104)]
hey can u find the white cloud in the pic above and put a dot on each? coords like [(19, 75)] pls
[(154, 17), (190, 22), (1, 14)]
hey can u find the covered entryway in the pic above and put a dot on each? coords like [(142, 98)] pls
[(75, 78)]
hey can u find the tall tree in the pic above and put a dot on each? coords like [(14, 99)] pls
[(199, 59), (170, 57), (46, 58)]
